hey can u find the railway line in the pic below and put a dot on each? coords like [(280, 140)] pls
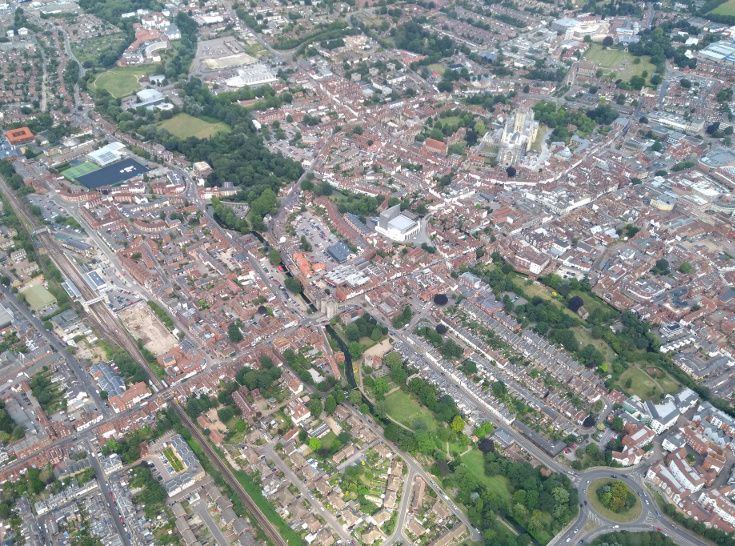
[(111, 328)]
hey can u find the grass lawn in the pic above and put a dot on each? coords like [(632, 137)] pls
[(122, 81), (617, 63), (38, 297), (584, 337), (173, 459), (726, 8), (624, 517), (475, 463), (438, 68), (407, 411), (186, 126), (645, 386), (255, 49)]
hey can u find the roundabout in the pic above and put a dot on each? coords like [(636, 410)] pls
[(613, 500)]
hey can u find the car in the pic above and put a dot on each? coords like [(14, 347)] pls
[(616, 526), (569, 539)]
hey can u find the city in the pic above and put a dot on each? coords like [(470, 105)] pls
[(367, 272)]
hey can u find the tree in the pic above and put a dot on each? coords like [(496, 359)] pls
[(510, 171), (607, 41), (293, 285), (685, 83), (662, 267), (330, 404), (234, 333), (274, 257), (355, 397), (315, 407), (686, 268), (575, 303), (618, 425), (458, 424)]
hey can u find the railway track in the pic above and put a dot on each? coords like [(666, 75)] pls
[(109, 325)]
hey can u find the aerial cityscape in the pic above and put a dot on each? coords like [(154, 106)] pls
[(369, 272)]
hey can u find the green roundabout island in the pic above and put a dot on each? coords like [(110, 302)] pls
[(614, 500)]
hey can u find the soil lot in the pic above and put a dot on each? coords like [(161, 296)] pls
[(143, 324)]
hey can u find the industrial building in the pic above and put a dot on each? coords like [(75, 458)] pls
[(107, 154)]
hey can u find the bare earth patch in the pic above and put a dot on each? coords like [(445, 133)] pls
[(145, 326)]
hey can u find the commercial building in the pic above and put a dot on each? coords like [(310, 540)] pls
[(398, 226), (21, 135)]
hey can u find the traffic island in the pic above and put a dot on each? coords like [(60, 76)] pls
[(614, 500)]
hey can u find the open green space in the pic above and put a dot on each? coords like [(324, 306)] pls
[(636, 380), (726, 8), (439, 68), (617, 63), (625, 516), (404, 409), (38, 297), (72, 173), (475, 463), (185, 126), (122, 81)]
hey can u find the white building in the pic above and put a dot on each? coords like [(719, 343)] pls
[(398, 226)]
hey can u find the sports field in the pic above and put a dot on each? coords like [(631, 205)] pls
[(38, 297), (186, 126), (726, 8), (617, 63), (122, 81), (72, 173)]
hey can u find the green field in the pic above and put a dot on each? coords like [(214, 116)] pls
[(617, 63), (726, 8), (186, 126), (122, 81), (623, 517), (438, 68), (407, 411), (645, 386), (38, 297), (475, 463), (72, 173)]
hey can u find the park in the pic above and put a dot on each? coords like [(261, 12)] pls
[(617, 63), (185, 126)]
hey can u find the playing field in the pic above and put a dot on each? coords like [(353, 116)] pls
[(186, 126), (122, 81), (38, 297), (72, 173), (726, 8), (407, 411), (617, 63)]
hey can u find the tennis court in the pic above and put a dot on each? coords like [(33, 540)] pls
[(72, 173)]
